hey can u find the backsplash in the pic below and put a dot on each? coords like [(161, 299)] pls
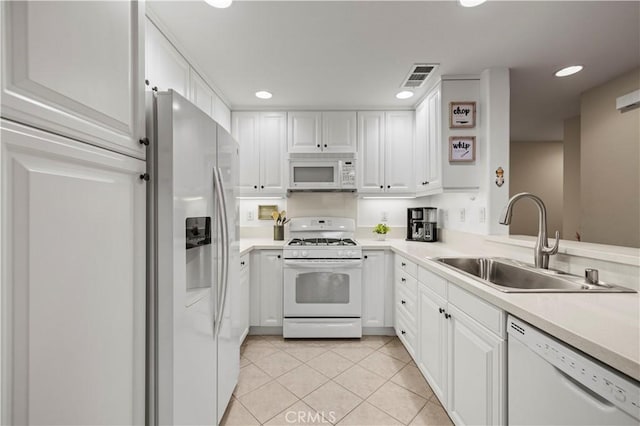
[(369, 212)]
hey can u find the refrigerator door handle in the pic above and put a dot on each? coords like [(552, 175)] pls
[(222, 211)]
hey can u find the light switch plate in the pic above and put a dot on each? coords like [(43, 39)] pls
[(463, 214)]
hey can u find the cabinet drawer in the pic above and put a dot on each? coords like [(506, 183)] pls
[(406, 302), (483, 312), (407, 334), (406, 266), (434, 282), (407, 281)]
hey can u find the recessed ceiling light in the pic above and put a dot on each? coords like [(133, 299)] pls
[(471, 3), (263, 94), (405, 94), (569, 70), (220, 4)]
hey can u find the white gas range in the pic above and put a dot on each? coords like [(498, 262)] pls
[(322, 279)]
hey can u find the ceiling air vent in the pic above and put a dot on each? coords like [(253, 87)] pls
[(418, 75)]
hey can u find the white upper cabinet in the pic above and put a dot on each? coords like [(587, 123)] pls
[(76, 77), (221, 113), (433, 177), (166, 67), (246, 129), (385, 146), (201, 94), (339, 131), (262, 138), (399, 151), (304, 132), (273, 136), (73, 282), (371, 151), (420, 153), (428, 157), (329, 131)]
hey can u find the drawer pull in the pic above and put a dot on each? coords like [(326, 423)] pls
[(403, 332), (404, 302), (447, 316), (441, 310), (403, 279), (242, 263), (403, 264)]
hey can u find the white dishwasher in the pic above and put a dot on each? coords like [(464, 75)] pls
[(550, 383)]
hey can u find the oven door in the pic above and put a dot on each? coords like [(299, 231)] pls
[(323, 288), (314, 174)]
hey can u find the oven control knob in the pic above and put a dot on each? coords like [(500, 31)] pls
[(294, 254), (304, 253)]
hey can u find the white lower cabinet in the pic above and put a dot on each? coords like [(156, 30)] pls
[(432, 360), (244, 295), (266, 288), (373, 288), (458, 342), (73, 281), (406, 288), (476, 372)]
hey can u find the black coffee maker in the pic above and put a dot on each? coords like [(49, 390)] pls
[(422, 224)]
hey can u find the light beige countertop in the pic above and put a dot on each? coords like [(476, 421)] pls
[(603, 325)]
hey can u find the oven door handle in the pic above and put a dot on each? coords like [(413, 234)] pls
[(304, 264)]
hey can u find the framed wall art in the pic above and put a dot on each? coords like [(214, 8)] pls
[(462, 115), (462, 149)]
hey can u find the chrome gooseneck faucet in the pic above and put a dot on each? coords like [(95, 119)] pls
[(542, 251)]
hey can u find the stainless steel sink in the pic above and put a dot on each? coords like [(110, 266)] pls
[(511, 276)]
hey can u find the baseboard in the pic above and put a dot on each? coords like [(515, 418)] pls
[(378, 331)]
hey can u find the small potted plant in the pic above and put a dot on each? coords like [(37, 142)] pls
[(381, 231)]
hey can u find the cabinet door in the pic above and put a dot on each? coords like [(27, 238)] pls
[(432, 330), (200, 93), (244, 296), (246, 129), (420, 153), (339, 131), (73, 281), (373, 288), (476, 385), (76, 69), (271, 288), (221, 113), (304, 131), (273, 142), (371, 131), (166, 67), (399, 175), (434, 142)]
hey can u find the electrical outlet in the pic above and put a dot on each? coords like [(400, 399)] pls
[(463, 214), (385, 216), (249, 216), (482, 215)]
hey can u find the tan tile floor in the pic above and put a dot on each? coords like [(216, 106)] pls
[(365, 382)]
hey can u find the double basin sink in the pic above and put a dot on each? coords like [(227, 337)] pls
[(511, 276)]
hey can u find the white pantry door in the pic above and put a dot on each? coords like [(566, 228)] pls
[(72, 282)]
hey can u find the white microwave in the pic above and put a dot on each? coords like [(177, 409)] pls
[(322, 175)]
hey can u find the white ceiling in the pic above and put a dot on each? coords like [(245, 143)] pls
[(355, 54)]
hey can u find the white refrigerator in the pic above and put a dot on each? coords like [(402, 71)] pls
[(193, 340)]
